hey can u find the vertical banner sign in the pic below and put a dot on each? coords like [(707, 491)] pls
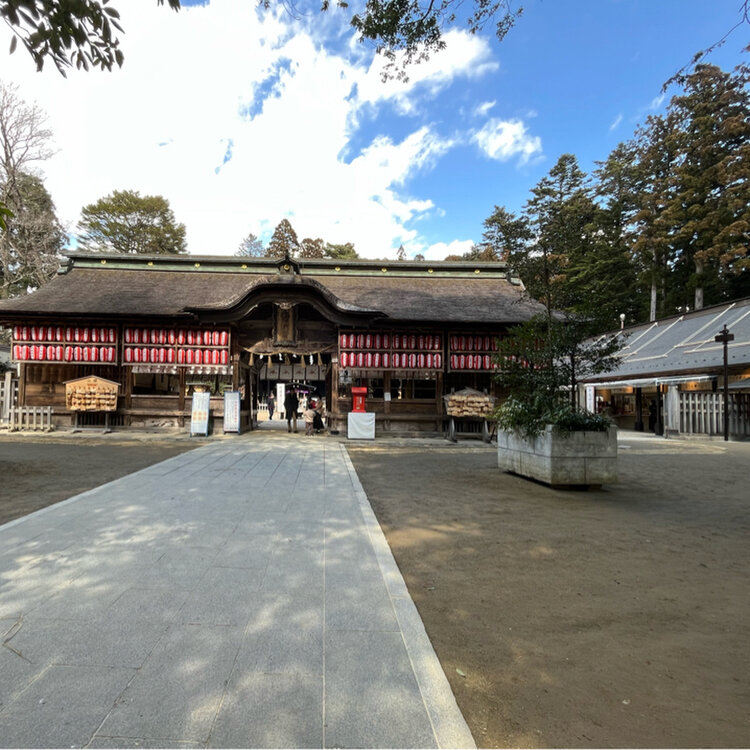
[(232, 411), (199, 413), (590, 402)]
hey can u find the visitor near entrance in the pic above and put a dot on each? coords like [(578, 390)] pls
[(291, 404), (271, 406), (309, 415)]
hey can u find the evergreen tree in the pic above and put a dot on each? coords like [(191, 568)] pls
[(24, 142), (284, 241), (341, 252), (710, 208), (35, 236), (505, 234), (126, 222)]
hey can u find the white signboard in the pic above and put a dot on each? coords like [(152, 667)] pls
[(232, 411), (199, 413)]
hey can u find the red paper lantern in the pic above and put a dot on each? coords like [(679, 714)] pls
[(128, 354), (396, 358), (180, 356), (215, 338), (180, 337), (224, 356), (412, 360), (95, 352), (171, 337), (162, 356), (487, 362), (16, 351), (344, 359), (68, 353), (170, 356), (386, 341), (198, 356), (223, 338), (420, 342), (376, 359), (378, 341), (386, 359), (368, 359)]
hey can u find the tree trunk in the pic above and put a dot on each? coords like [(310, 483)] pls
[(699, 287)]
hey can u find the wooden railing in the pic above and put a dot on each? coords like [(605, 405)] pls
[(31, 418)]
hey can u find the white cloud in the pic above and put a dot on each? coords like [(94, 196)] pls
[(506, 139), (483, 109), (239, 119), (440, 250), (616, 122)]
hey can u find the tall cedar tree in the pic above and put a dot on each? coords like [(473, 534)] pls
[(710, 208), (126, 222), (284, 241)]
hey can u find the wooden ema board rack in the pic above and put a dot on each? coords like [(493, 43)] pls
[(91, 394)]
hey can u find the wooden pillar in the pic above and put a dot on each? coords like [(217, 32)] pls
[(22, 385), (334, 403), (439, 399), (181, 396)]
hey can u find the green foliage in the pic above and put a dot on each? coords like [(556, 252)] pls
[(5, 214), (341, 252), (126, 222), (414, 30), (80, 33), (539, 366)]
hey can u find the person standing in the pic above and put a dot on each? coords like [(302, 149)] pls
[(291, 404), (271, 405)]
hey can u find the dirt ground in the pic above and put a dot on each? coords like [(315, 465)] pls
[(36, 471), (611, 618)]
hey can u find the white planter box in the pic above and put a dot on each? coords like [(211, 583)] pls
[(575, 458)]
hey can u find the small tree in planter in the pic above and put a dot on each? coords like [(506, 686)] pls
[(555, 249), (542, 431)]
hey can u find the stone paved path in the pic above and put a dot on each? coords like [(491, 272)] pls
[(239, 595)]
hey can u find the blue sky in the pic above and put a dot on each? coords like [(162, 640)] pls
[(241, 118)]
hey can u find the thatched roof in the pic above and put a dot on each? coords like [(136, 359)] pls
[(165, 287)]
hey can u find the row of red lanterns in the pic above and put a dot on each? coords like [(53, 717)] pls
[(395, 361), (69, 334), (154, 355), (473, 343), (471, 362), (181, 337), (60, 353), (384, 340)]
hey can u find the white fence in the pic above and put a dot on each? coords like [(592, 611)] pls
[(8, 396), (703, 413), (30, 418)]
